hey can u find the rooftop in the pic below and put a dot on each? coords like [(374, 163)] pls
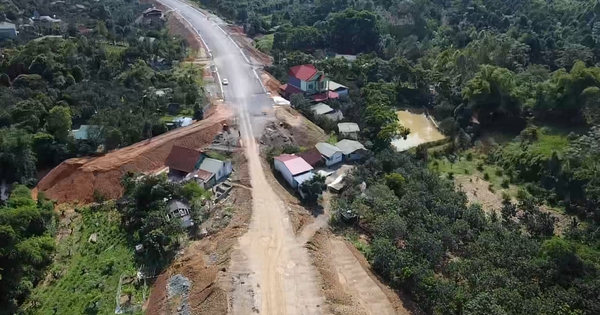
[(295, 164), (290, 89), (327, 149), (311, 156), (176, 204), (348, 127), (347, 57), (211, 165), (324, 96), (303, 177), (303, 72), (202, 175), (83, 133), (335, 86), (149, 10), (183, 159), (321, 109), (183, 121), (350, 146), (6, 25)]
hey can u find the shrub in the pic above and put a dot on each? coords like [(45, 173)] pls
[(480, 166), (469, 156), (451, 175), (486, 176), (499, 172)]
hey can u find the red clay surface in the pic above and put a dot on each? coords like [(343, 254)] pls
[(75, 180)]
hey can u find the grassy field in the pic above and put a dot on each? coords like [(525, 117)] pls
[(85, 275), (549, 140), (470, 163)]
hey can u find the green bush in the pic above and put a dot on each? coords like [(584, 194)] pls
[(505, 183), (480, 166), (486, 176)]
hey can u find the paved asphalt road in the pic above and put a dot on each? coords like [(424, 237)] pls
[(244, 91)]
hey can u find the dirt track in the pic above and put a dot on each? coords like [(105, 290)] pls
[(271, 269), (77, 179)]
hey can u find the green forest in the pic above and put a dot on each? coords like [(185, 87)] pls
[(514, 85), (101, 68), (106, 79), (527, 70)]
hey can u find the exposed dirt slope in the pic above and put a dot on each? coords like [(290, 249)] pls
[(77, 179), (304, 131)]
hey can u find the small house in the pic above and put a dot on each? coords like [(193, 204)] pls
[(86, 132), (330, 153), (8, 30), (294, 169), (322, 109), (219, 169), (349, 130), (151, 17), (308, 80), (180, 210), (352, 150), (182, 161)]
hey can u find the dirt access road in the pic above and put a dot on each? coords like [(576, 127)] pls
[(271, 272)]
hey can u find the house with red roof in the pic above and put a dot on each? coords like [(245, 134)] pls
[(308, 80), (294, 169)]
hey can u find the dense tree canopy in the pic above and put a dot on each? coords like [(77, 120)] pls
[(26, 246)]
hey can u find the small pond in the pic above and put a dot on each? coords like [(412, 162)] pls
[(422, 130)]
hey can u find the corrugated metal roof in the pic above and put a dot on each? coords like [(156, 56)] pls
[(83, 133), (285, 157), (334, 86), (176, 204), (324, 96), (348, 127), (297, 165), (303, 72), (321, 109), (327, 149), (183, 159), (350, 146), (303, 177), (6, 25), (211, 165)]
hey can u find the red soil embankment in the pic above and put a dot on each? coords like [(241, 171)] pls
[(77, 179)]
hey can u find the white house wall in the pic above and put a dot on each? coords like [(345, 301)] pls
[(287, 175), (336, 158)]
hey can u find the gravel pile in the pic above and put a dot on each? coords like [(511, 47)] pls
[(179, 286)]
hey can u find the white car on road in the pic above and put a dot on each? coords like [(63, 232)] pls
[(225, 82)]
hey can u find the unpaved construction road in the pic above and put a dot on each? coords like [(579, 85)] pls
[(271, 270)]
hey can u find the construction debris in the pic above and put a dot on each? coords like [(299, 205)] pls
[(179, 287)]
